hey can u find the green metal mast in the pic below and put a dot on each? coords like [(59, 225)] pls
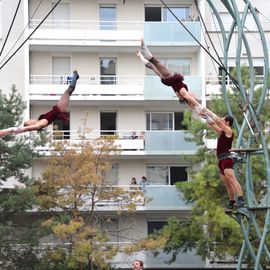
[(255, 143)]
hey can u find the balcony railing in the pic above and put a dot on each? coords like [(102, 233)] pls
[(151, 142), (88, 25), (126, 140), (213, 84), (147, 87), (172, 32), (87, 79), (187, 260), (150, 199), (164, 197), (169, 142), (88, 85), (87, 33), (155, 90)]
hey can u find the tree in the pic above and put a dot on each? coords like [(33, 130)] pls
[(72, 186), (16, 155), (208, 228)]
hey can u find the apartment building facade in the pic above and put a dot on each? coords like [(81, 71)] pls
[(117, 95)]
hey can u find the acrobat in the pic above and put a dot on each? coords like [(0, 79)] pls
[(58, 111), (169, 78), (223, 127)]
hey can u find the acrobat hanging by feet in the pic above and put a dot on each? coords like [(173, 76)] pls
[(169, 78), (58, 112)]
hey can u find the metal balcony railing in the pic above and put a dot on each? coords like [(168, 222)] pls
[(152, 142), (217, 80), (87, 85), (88, 25), (87, 79), (126, 140)]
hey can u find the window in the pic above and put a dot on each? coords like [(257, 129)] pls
[(180, 65), (164, 121), (154, 226), (107, 17), (107, 70), (60, 70), (178, 174), (158, 14), (111, 176), (61, 16), (159, 121), (166, 174), (61, 130), (178, 121), (182, 13), (108, 123), (112, 228), (152, 14)]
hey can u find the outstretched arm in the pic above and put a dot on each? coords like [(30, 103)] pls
[(192, 102), (37, 126), (8, 131), (219, 123)]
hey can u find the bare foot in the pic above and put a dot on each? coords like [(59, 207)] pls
[(139, 54), (144, 50)]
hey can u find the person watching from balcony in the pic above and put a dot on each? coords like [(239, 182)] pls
[(137, 265), (58, 112), (143, 184), (169, 78), (133, 181), (223, 127)]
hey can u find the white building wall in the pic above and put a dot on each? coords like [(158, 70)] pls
[(14, 71)]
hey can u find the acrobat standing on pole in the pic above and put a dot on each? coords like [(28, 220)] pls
[(59, 111), (223, 127)]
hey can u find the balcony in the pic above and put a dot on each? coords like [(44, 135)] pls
[(169, 142), (137, 142), (86, 33), (96, 87), (188, 260), (89, 87), (172, 33), (213, 85), (155, 90), (113, 33), (153, 198), (164, 197)]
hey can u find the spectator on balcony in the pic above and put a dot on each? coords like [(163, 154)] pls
[(169, 78), (143, 184), (137, 265), (58, 112), (134, 135), (133, 181)]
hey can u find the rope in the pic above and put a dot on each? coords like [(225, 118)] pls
[(21, 33), (215, 60), (9, 30), (30, 34), (207, 33)]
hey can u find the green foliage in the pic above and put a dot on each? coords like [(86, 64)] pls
[(208, 229), (74, 182), (16, 155)]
